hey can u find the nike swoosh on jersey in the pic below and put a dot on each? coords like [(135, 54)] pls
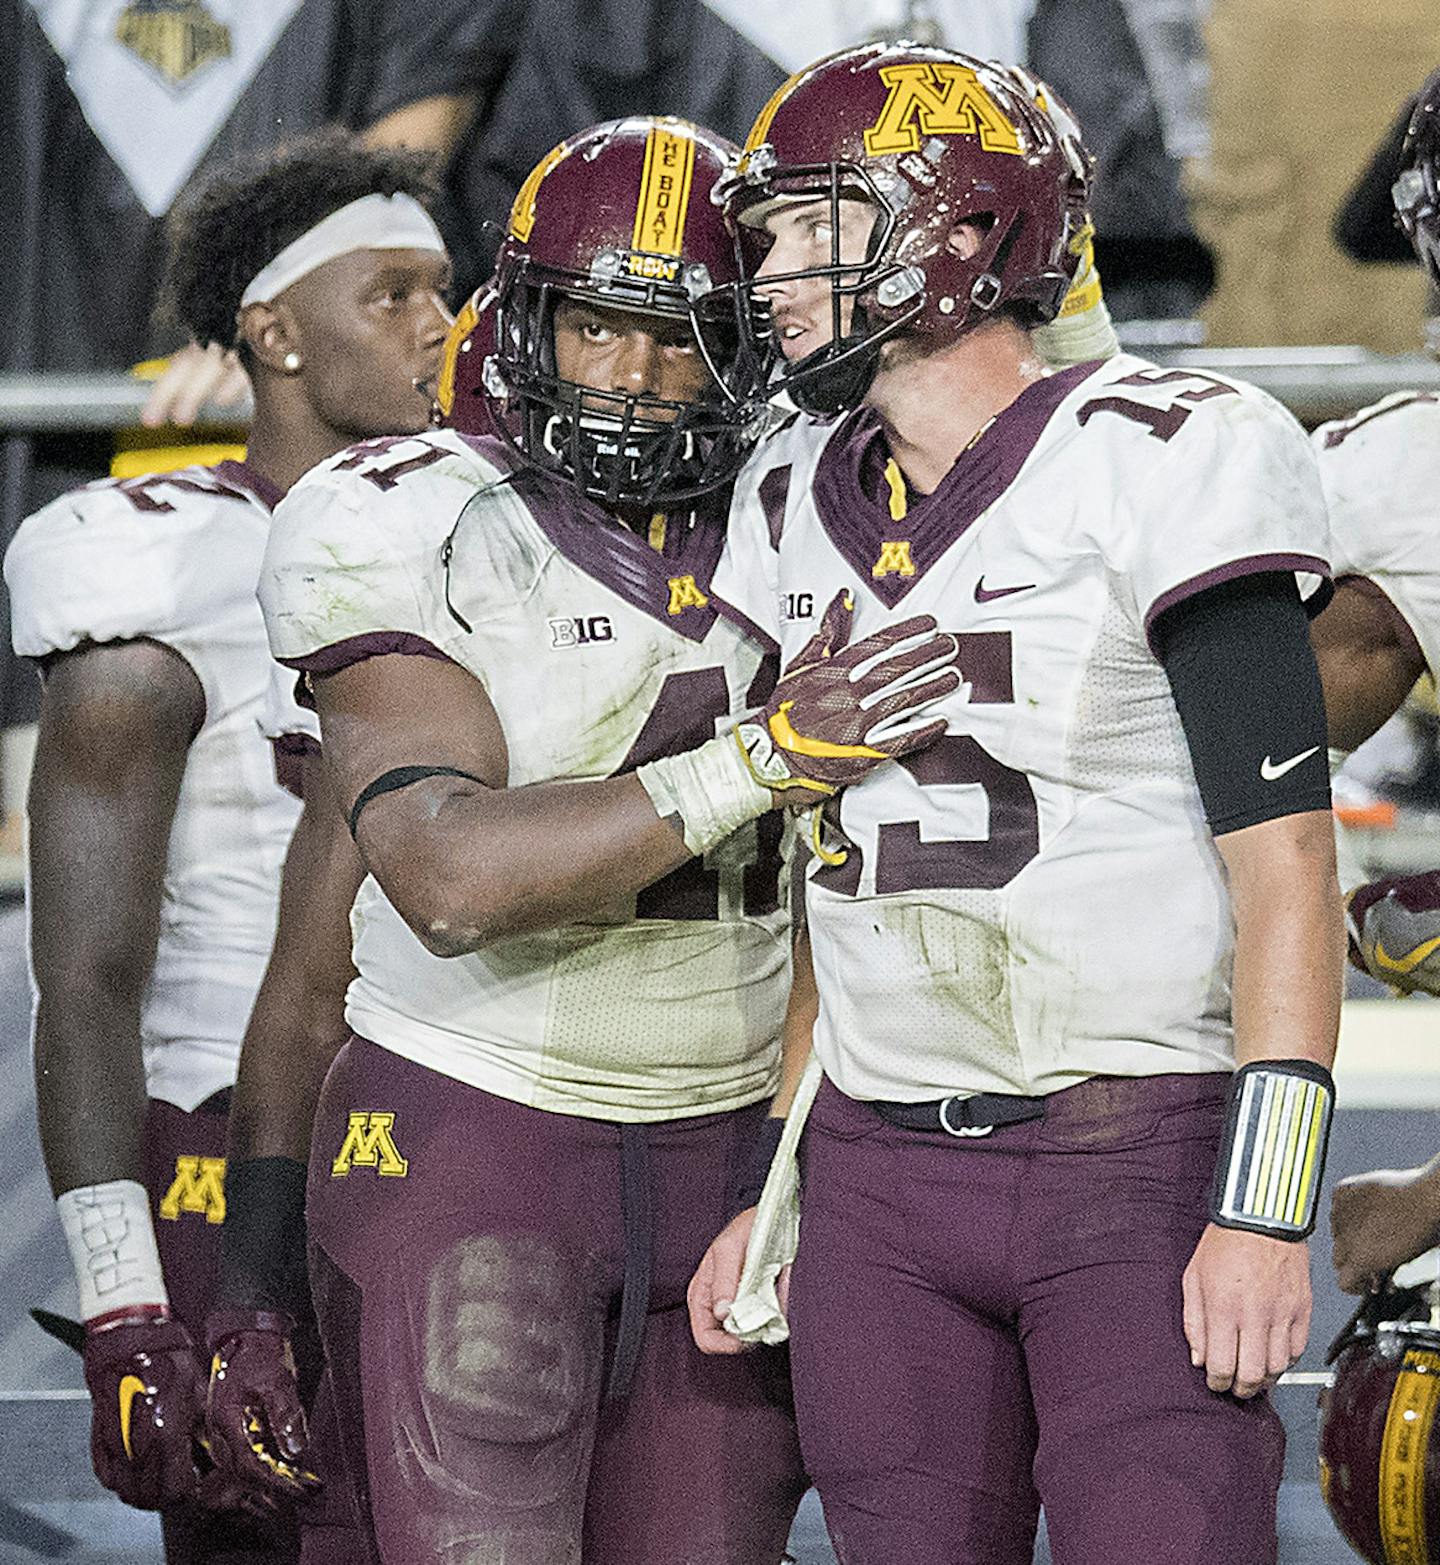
[(131, 1386), (1270, 770), (984, 594)]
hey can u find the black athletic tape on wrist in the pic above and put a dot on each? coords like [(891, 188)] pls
[(401, 777), (1272, 1158), (750, 1177), (262, 1242)]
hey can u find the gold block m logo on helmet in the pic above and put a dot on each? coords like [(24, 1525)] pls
[(368, 1143), (665, 189), (933, 98)]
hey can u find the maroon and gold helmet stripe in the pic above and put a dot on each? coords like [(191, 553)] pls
[(665, 180), (1403, 1451), (522, 214), (760, 130), (465, 323)]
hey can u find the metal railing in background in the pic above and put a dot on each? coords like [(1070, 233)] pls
[(1316, 384)]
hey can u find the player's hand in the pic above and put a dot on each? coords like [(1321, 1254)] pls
[(1247, 1308), (147, 1398), (716, 1282), (1394, 929), (193, 377), (839, 710), (1381, 1220), (254, 1421)]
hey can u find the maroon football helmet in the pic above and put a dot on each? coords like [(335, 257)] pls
[(620, 214), (1417, 191), (1379, 1440), (930, 139)]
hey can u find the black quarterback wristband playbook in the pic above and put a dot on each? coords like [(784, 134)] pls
[(1277, 1127)]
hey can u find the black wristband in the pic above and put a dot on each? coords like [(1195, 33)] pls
[(262, 1242), (749, 1179)]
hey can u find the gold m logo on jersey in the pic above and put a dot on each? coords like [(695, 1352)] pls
[(369, 1144), (684, 594), (198, 1186), (937, 99), (175, 38), (894, 559)]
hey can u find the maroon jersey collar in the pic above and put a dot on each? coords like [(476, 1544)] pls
[(852, 495), (252, 480)]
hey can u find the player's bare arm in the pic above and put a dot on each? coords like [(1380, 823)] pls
[(1382, 1219), (116, 724), (1247, 1295), (298, 1021), (1367, 660), (115, 727), (466, 860)]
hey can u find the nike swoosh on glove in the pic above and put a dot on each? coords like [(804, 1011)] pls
[(1394, 927), (254, 1419), (839, 710), (147, 1398)]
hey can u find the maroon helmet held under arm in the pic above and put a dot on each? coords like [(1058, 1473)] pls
[(1379, 1437)]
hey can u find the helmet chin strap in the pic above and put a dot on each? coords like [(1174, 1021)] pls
[(837, 381)]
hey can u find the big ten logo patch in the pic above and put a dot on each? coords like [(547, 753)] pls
[(369, 1143), (581, 630), (797, 605), (198, 1187), (894, 559), (935, 99), (684, 594)]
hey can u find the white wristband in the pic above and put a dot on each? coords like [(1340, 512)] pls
[(112, 1245), (710, 788)]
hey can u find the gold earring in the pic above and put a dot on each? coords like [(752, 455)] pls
[(291, 361)]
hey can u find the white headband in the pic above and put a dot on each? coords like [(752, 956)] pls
[(374, 222)]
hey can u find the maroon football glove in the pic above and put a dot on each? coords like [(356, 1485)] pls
[(255, 1424), (147, 1397), (840, 710)]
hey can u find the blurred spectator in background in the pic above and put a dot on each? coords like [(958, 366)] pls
[(579, 62), (114, 107)]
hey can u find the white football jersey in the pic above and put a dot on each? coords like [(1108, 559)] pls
[(1036, 898), (1381, 474), (175, 559), (599, 653)]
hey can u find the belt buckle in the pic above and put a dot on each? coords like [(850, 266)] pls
[(969, 1132)]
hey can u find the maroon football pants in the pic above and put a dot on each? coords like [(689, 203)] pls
[(981, 1326), (468, 1260)]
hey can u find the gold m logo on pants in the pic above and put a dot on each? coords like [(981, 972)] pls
[(198, 1186), (369, 1144)]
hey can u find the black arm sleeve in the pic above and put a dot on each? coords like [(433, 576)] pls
[(1248, 692)]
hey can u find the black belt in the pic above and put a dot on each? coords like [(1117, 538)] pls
[(963, 1116)]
